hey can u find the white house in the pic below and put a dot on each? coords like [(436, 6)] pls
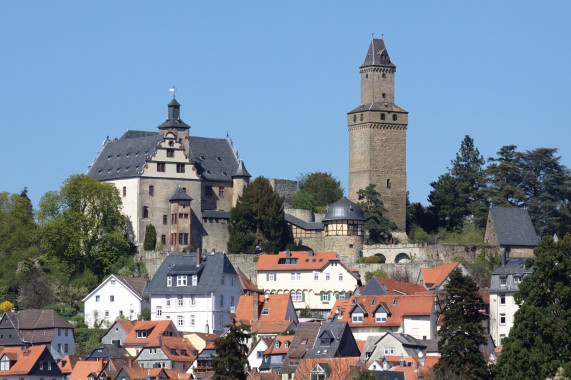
[(117, 296), (503, 285), (198, 292), (313, 279)]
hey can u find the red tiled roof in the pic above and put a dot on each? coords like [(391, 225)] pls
[(155, 329), (304, 262), (255, 375), (340, 367), (436, 276), (273, 321), (83, 368), (66, 364), (397, 287), (177, 349), (405, 305), (361, 345), (247, 285), (25, 359)]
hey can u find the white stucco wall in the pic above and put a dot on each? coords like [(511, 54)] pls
[(123, 300)]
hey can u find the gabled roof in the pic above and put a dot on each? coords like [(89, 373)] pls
[(215, 158), (513, 226), (247, 285), (282, 349), (153, 328), (67, 363), (212, 266), (406, 305), (272, 312), (300, 260), (136, 285), (32, 319), (301, 345), (308, 226), (109, 351), (26, 359), (177, 349), (124, 323), (84, 368), (343, 367), (436, 276), (341, 343), (387, 286), (377, 55)]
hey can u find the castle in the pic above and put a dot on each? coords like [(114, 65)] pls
[(185, 185)]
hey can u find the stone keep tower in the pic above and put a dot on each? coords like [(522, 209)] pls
[(377, 136)]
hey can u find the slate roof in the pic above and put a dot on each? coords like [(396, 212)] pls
[(32, 319), (301, 344), (125, 157), (241, 171), (377, 55), (216, 214), (381, 107), (343, 343), (177, 349), (513, 226), (343, 209), (179, 195), (215, 158), (212, 266), (109, 351), (515, 266), (316, 226)]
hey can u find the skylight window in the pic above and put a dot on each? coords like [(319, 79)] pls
[(266, 311)]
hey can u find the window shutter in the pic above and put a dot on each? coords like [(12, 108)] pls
[(275, 276), (267, 277), (336, 296), (321, 296), (303, 297)]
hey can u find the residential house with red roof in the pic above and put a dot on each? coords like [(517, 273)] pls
[(267, 315), (314, 279), (329, 368), (256, 354), (145, 332), (29, 363), (200, 339), (203, 362), (274, 355), (248, 287), (137, 373), (170, 352), (38, 327), (116, 297), (435, 278), (376, 315), (87, 370)]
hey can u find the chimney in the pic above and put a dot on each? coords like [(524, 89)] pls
[(504, 258), (198, 257), (288, 254), (256, 307), (310, 253)]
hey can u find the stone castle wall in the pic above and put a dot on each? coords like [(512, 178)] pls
[(285, 188)]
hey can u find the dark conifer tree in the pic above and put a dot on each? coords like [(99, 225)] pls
[(231, 353), (462, 331), (377, 226)]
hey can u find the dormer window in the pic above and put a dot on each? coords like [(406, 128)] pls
[(380, 316), (503, 281), (277, 345), (286, 344), (357, 317), (181, 280), (194, 280), (266, 311), (141, 334), (169, 280), (326, 339)]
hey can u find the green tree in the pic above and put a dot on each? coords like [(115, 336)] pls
[(504, 178), (378, 273), (377, 226), (538, 344), (366, 375), (319, 188), (81, 225), (231, 353), (459, 193), (462, 331), (36, 290), (257, 222), (150, 238)]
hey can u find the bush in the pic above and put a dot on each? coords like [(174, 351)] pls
[(86, 340), (145, 315), (372, 260), (150, 238), (256, 258), (378, 273)]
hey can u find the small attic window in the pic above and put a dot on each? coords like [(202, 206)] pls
[(394, 301), (100, 171), (373, 301), (202, 157), (108, 157), (218, 158), (266, 311), (224, 173)]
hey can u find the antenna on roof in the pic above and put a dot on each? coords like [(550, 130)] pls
[(173, 90), (382, 36)]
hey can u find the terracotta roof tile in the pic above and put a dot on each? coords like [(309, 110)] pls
[(154, 329), (304, 261), (340, 367), (247, 285), (435, 276), (25, 359), (396, 287), (282, 349), (83, 368), (274, 320), (66, 364), (405, 305)]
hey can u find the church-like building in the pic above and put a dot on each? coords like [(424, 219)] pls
[(184, 185)]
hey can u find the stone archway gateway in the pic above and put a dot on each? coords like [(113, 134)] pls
[(402, 258)]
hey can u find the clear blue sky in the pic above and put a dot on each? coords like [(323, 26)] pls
[(279, 77)]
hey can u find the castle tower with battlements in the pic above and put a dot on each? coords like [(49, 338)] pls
[(377, 136)]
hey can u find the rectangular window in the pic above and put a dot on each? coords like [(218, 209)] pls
[(221, 191), (163, 239), (266, 311), (502, 337), (97, 298), (357, 318), (502, 319), (192, 319), (159, 311), (502, 299), (380, 317), (232, 301), (325, 296), (503, 281), (180, 301), (340, 276), (271, 276), (180, 168), (151, 190), (181, 280), (59, 347), (517, 279), (180, 321), (170, 153), (106, 313), (327, 277), (65, 348), (221, 300), (208, 191), (111, 298), (292, 276), (168, 301), (316, 276), (192, 301), (194, 280), (124, 191), (169, 280), (160, 167)]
